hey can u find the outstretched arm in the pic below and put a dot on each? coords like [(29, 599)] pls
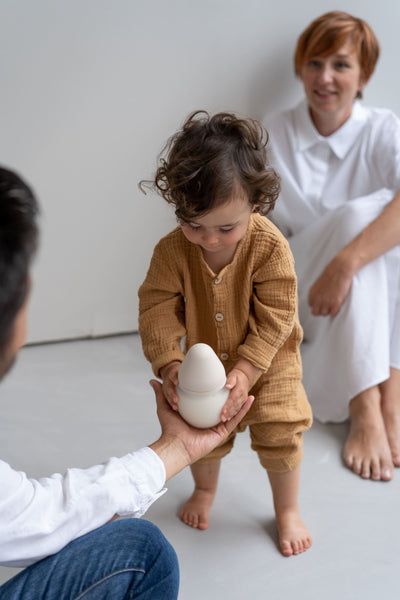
[(39, 517), (330, 290)]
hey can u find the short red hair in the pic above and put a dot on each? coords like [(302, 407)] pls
[(326, 34)]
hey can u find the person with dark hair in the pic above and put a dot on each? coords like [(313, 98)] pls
[(18, 238), (340, 210), (65, 528), (225, 277)]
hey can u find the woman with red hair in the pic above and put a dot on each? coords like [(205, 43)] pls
[(340, 209)]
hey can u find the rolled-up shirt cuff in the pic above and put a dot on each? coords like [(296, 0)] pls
[(147, 473)]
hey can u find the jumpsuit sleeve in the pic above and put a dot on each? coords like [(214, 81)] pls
[(162, 310), (274, 308)]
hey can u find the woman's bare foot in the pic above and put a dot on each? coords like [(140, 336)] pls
[(390, 391), (196, 510), (294, 537), (366, 451)]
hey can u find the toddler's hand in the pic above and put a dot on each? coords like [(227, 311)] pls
[(238, 382), (169, 375)]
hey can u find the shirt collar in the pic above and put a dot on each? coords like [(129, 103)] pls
[(339, 142)]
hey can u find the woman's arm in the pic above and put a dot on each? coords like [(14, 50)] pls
[(330, 290)]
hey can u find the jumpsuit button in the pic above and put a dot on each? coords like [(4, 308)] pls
[(224, 356), (219, 317)]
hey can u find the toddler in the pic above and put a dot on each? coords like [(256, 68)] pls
[(225, 277)]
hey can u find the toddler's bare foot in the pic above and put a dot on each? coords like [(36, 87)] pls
[(366, 451), (390, 390), (196, 510), (294, 537)]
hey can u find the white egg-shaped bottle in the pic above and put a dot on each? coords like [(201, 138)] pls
[(201, 390)]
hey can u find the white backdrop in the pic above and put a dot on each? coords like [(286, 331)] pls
[(91, 90)]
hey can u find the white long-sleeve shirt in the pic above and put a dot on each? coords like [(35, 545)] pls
[(39, 517)]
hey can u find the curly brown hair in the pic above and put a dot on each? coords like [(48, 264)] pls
[(212, 158)]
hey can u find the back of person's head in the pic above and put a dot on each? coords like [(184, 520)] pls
[(329, 32), (213, 158), (18, 242)]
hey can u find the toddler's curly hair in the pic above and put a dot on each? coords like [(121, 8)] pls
[(212, 158)]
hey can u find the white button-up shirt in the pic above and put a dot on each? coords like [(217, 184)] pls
[(320, 173), (40, 517)]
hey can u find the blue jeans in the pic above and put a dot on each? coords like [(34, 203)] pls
[(124, 559)]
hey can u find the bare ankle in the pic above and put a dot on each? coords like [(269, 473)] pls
[(286, 512), (205, 494), (365, 404)]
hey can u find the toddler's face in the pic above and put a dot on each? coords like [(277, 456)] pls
[(220, 229)]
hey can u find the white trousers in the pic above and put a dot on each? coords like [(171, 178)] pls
[(353, 351)]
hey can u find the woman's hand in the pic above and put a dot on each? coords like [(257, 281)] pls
[(330, 290), (181, 444), (169, 375)]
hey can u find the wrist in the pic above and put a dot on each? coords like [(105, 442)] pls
[(173, 453), (247, 368), (245, 373), (348, 261), (165, 369), (355, 255)]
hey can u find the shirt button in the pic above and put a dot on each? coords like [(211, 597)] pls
[(218, 280), (224, 356), (219, 317)]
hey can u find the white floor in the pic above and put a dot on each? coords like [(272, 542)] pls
[(77, 403)]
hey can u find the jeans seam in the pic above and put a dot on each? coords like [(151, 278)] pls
[(109, 576)]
